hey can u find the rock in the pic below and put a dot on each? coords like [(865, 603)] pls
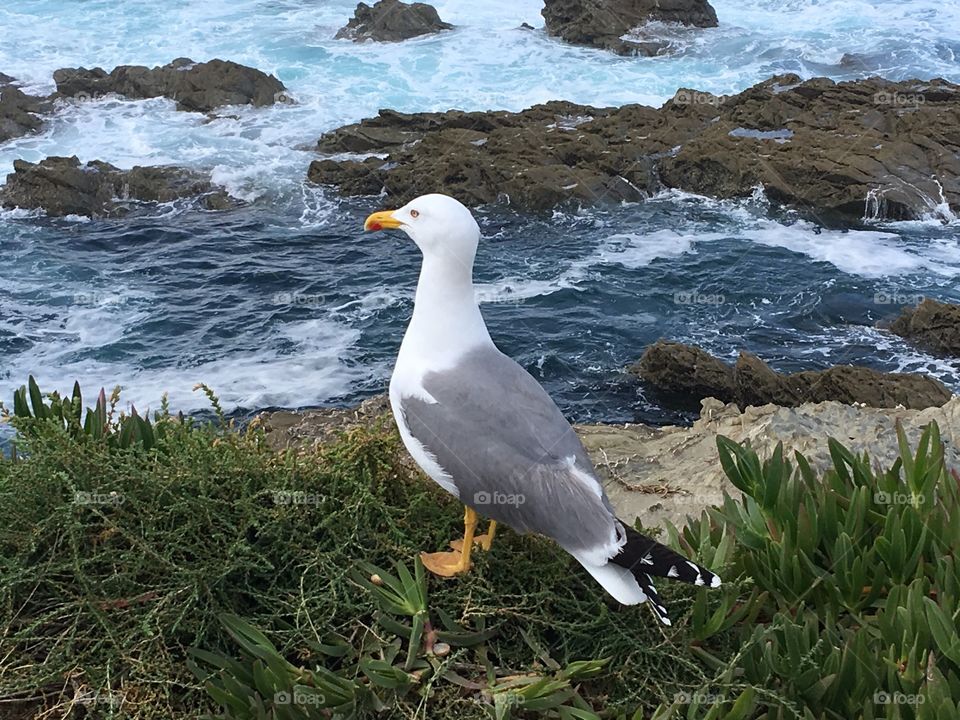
[(863, 149), (750, 382), (284, 428), (62, 186), (392, 21), (603, 23), (837, 152), (197, 87), (19, 112), (932, 325), (669, 473), (685, 368)]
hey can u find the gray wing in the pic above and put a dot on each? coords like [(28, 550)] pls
[(509, 450)]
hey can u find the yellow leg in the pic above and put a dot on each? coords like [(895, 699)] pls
[(484, 541), (455, 562)]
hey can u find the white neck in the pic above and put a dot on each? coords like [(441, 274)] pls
[(446, 321)]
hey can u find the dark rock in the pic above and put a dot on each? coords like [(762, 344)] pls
[(19, 112), (392, 21), (932, 325), (197, 87), (603, 23), (755, 383), (62, 186), (837, 152), (683, 368)]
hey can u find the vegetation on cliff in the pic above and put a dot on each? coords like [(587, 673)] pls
[(166, 567)]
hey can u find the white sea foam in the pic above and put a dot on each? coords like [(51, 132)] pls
[(312, 372), (867, 253)]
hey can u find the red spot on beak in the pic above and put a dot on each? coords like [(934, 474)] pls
[(376, 226)]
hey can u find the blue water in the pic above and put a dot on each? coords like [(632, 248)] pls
[(285, 303)]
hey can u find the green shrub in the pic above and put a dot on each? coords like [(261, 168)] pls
[(114, 560), (840, 595), (855, 573)]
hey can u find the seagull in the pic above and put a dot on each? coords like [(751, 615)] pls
[(484, 429)]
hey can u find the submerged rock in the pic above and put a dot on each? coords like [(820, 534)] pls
[(392, 21), (19, 112), (751, 382), (932, 325), (603, 23), (62, 186), (837, 152), (197, 87)]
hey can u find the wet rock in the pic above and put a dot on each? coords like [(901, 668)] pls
[(603, 23), (932, 325), (19, 113), (685, 368), (751, 382), (196, 87), (392, 21), (836, 152), (63, 186)]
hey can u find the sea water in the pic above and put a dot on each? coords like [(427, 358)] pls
[(286, 303)]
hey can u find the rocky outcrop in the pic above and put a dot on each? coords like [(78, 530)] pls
[(868, 148), (668, 473), (62, 186), (392, 21), (837, 152), (751, 382), (932, 325), (603, 23), (197, 87), (19, 112), (319, 426)]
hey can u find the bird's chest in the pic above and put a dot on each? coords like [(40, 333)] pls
[(406, 382)]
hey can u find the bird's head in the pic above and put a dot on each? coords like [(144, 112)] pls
[(440, 226)]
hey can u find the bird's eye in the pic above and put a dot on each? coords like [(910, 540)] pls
[(414, 213)]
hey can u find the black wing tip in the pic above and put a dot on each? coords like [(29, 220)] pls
[(644, 556)]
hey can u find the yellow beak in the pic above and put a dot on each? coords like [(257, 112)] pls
[(382, 221)]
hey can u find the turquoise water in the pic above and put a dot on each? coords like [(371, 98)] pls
[(284, 303)]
